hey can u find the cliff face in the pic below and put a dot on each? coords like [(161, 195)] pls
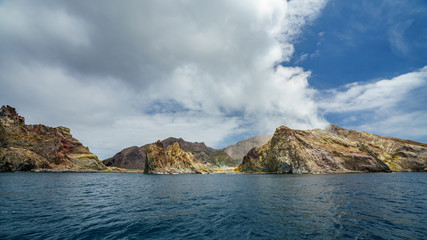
[(204, 158), (26, 147), (336, 150), (400, 155), (172, 159), (158, 158), (217, 158), (240, 149)]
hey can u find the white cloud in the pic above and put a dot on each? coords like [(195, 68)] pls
[(141, 129), (392, 107), (299, 14), (382, 94), (50, 95), (40, 24), (130, 72), (301, 58), (399, 124)]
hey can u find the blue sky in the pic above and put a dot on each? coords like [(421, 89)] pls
[(124, 73), (366, 41), (353, 41)]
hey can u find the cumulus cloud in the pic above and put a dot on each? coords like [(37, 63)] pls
[(130, 72), (392, 107), (401, 124), (54, 96), (382, 94)]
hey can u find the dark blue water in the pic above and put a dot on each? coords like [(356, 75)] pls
[(136, 206)]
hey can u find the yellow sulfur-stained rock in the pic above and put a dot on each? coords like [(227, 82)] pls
[(29, 147), (172, 160), (334, 150)]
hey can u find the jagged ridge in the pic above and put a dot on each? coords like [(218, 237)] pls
[(217, 158), (159, 158), (141, 157), (336, 150), (27, 147)]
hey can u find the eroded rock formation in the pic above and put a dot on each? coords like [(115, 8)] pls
[(159, 158), (172, 155), (172, 159), (27, 147), (215, 157), (335, 150), (400, 155)]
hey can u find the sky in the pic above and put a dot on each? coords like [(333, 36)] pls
[(126, 73)]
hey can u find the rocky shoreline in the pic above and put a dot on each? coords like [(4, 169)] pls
[(39, 148), (45, 170), (232, 172), (334, 150)]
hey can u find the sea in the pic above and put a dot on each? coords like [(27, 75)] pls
[(215, 206)]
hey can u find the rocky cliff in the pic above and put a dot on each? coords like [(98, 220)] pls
[(27, 147), (172, 159), (172, 155), (159, 158), (132, 158), (400, 155), (215, 157), (335, 150), (240, 149)]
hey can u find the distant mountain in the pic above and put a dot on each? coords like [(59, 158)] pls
[(161, 157), (28, 147), (128, 158), (334, 150), (240, 149), (198, 158), (215, 157), (38, 147)]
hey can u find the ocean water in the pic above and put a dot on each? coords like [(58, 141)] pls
[(138, 206)]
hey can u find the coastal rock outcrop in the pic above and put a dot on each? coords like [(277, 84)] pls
[(28, 147), (215, 157), (172, 159), (333, 150), (400, 155), (172, 155), (158, 158)]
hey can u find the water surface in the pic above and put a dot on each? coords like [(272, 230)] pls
[(136, 206)]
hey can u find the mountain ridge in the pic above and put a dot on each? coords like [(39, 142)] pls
[(241, 148), (334, 150), (28, 147), (213, 158)]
